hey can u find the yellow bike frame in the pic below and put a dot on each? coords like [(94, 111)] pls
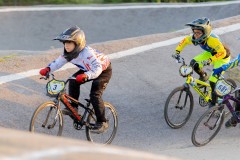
[(194, 83)]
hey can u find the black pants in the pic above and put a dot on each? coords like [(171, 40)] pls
[(98, 86), (214, 96)]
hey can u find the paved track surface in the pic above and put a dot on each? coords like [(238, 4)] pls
[(138, 89), (29, 30)]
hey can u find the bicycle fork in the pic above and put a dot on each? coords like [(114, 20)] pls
[(185, 101), (48, 115), (213, 115)]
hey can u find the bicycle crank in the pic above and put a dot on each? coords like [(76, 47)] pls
[(202, 102), (77, 125)]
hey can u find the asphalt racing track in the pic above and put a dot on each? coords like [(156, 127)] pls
[(143, 75)]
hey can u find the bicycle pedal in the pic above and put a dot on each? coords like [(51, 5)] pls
[(77, 126)]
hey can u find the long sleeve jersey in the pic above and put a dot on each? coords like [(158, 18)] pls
[(91, 61), (212, 45), (233, 63)]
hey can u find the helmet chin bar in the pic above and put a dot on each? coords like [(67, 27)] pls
[(200, 40)]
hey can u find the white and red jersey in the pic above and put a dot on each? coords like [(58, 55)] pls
[(91, 61)]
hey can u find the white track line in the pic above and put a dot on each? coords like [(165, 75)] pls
[(219, 31), (123, 7)]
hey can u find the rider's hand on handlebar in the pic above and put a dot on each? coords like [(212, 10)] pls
[(44, 71), (81, 78), (176, 55), (217, 71)]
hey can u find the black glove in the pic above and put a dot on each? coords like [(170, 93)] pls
[(176, 55)]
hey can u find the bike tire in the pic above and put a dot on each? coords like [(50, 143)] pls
[(107, 136), (204, 130), (177, 116), (47, 109)]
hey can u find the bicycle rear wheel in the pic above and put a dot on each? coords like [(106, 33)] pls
[(47, 119), (178, 107), (207, 127), (107, 136)]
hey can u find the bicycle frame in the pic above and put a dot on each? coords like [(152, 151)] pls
[(186, 71), (194, 83), (226, 99), (63, 97)]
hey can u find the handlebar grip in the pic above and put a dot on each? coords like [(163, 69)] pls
[(47, 76)]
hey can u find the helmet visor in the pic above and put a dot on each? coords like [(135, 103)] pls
[(63, 38)]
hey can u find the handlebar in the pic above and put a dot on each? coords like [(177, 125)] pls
[(53, 77), (47, 76), (180, 59)]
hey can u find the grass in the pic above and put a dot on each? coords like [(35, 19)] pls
[(4, 58)]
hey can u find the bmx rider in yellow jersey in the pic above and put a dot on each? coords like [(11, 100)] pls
[(215, 52)]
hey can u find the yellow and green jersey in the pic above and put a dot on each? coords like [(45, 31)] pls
[(213, 45)]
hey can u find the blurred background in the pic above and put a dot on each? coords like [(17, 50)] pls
[(42, 2), (24, 29)]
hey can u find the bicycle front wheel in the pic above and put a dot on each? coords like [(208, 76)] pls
[(107, 136), (47, 119), (178, 107), (207, 127)]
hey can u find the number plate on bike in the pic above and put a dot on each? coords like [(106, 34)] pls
[(222, 88), (54, 87), (185, 70)]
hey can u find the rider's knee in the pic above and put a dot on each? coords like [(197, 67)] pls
[(194, 64)]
